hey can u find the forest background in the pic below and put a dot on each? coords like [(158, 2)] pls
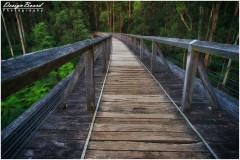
[(63, 23)]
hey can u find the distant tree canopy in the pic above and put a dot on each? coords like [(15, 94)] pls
[(67, 22)]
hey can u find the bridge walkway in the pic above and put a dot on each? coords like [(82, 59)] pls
[(136, 118)]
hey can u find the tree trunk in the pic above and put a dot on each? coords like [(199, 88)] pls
[(108, 14), (200, 22), (20, 32), (8, 39), (119, 24), (113, 16), (129, 12), (236, 9), (229, 64), (15, 32), (110, 18), (95, 15), (184, 22), (215, 13), (209, 23), (22, 29)]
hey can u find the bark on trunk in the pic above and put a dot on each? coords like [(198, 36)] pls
[(20, 32), (129, 12), (8, 39), (215, 14), (113, 17), (22, 29)]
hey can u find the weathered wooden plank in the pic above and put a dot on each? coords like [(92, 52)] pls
[(142, 109), (100, 154), (62, 126), (161, 137), (134, 104), (139, 115), (145, 146), (48, 143), (51, 153), (64, 134), (135, 98), (111, 120), (89, 80), (142, 127)]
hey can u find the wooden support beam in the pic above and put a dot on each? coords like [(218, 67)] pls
[(191, 69), (153, 57), (162, 58), (89, 80), (110, 46), (104, 57), (72, 81), (131, 43), (108, 49), (134, 44), (227, 72), (141, 49), (207, 84)]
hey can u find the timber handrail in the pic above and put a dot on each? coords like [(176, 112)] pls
[(21, 71), (228, 51), (195, 48), (19, 132)]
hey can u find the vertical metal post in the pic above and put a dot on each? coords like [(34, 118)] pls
[(153, 57), (89, 79)]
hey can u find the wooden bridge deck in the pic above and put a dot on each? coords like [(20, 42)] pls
[(136, 119)]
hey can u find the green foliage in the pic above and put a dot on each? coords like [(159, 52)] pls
[(68, 26), (18, 102), (65, 69), (41, 37), (181, 7), (103, 19)]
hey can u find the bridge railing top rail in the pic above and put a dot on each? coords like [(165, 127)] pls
[(22, 70), (228, 51)]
